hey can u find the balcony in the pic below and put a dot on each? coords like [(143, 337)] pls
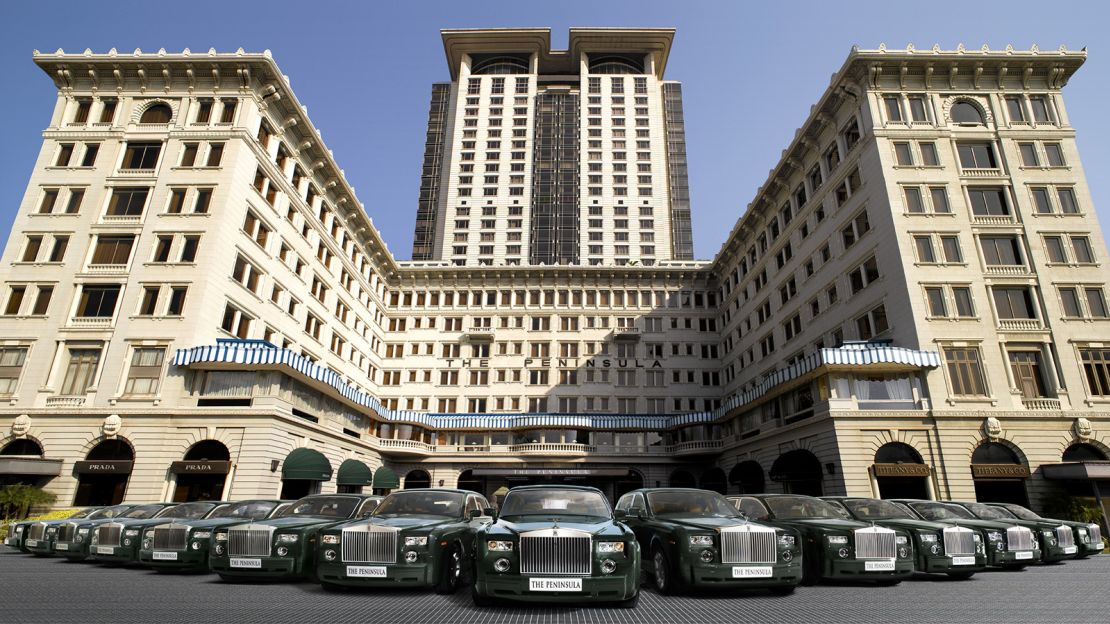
[(551, 448), (65, 401), (695, 447), (106, 268), (992, 219), (479, 334), (1041, 403), (91, 321), (1007, 269), (994, 172), (626, 333), (137, 172), (1019, 325), (414, 447)]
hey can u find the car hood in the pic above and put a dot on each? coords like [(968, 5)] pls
[(596, 528), (291, 522), (831, 524), (1036, 525), (404, 523), (989, 525), (910, 523), (707, 522)]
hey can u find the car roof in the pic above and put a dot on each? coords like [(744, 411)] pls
[(552, 486), (667, 489), (438, 489)]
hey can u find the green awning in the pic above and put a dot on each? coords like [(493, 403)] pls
[(305, 463), (354, 472), (386, 479)]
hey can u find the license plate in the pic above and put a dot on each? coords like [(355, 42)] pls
[(30, 543), (878, 566), (751, 571), (165, 556), (555, 584), (246, 563), (1069, 550), (105, 550), (963, 560), (61, 546), (366, 571), (1023, 554)]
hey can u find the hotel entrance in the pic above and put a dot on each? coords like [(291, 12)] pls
[(613, 482)]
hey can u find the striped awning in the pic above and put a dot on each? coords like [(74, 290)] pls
[(262, 355)]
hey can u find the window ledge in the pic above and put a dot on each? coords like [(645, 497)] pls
[(70, 167), (1059, 215), (183, 214), (984, 400), (928, 214)]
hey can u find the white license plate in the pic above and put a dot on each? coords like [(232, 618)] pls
[(61, 546), (963, 561), (105, 550), (1023, 554), (246, 563), (366, 571), (555, 584), (1069, 550), (31, 542), (751, 571), (878, 566), (165, 556)]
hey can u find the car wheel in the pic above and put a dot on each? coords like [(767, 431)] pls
[(481, 600), (960, 576), (661, 571), (783, 591), (450, 571), (630, 603)]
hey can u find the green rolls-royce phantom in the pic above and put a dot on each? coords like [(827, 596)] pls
[(119, 541), (183, 544), (414, 538), (697, 538), (556, 544), (1088, 535), (38, 537), (1057, 540), (1008, 545)]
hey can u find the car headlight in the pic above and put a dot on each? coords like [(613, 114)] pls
[(329, 539), (927, 538), (416, 540), (52, 530), (901, 540), (202, 534), (221, 537), (147, 543), (837, 539), (610, 547), (499, 545), (701, 540), (18, 529), (287, 538), (786, 541), (131, 533), (976, 537), (82, 531)]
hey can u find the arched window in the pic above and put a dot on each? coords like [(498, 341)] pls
[(799, 472), (1074, 453), (897, 453), (111, 449), (714, 480), (966, 113), (22, 446), (616, 65), (208, 450), (157, 114), (994, 453), (501, 65), (683, 479), (749, 476), (418, 479)]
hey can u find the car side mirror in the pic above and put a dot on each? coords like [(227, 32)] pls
[(491, 512), (620, 514), (473, 514)]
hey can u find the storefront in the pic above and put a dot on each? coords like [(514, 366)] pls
[(899, 472), (799, 472), (999, 474), (103, 475), (302, 472), (22, 463), (202, 474)]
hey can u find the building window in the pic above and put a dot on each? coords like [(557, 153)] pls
[(966, 113), (1014, 302), (11, 366), (157, 114), (15, 300), (988, 201), (863, 275), (80, 371), (238, 323), (112, 249), (965, 371), (1096, 368), (127, 202), (145, 373), (98, 300), (141, 155)]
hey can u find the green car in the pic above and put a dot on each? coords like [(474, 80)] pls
[(17, 531), (184, 545), (283, 546), (941, 548), (556, 543), (414, 538), (834, 546), (119, 541), (697, 538), (38, 537), (1087, 536), (1008, 545), (73, 539), (1057, 540)]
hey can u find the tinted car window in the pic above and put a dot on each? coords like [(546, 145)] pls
[(941, 511), (422, 503), (108, 512), (989, 513), (84, 513), (690, 503), (555, 502), (1022, 512), (186, 511), (254, 510), (753, 509), (327, 506), (797, 507), (142, 512), (877, 510)]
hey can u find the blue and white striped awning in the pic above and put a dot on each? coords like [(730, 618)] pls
[(254, 354)]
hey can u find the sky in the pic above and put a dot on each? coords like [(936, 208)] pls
[(364, 70)]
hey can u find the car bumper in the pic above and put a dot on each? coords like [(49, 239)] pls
[(1009, 558), (39, 547), (861, 569), (1091, 549), (945, 565), (594, 589), (1053, 554), (261, 567), (183, 559), (376, 575), (13, 542), (74, 551), (744, 575), (118, 554)]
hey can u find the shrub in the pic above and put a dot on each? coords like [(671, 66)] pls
[(16, 501), (53, 515)]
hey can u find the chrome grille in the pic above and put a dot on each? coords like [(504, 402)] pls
[(1095, 531), (169, 536), (36, 531), (249, 541), (370, 544), (959, 541), (1064, 536), (874, 543), (108, 534), (748, 544), (1019, 538), (556, 552), (66, 532)]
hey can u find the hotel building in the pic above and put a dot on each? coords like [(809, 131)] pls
[(195, 304)]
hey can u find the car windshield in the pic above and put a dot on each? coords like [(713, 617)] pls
[(108, 512), (690, 503), (186, 511), (751, 508), (253, 510), (449, 504), (143, 511), (942, 511), (84, 513), (802, 507), (867, 509), (327, 506), (551, 501), (988, 512), (1021, 512)]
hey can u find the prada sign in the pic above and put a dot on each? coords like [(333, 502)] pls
[(201, 467), (105, 466), (901, 470), (999, 471)]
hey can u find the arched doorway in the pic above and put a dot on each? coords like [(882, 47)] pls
[(202, 473), (624, 485), (416, 479), (683, 479), (467, 481), (1078, 452), (714, 480), (302, 472), (799, 472), (102, 476), (353, 475), (22, 463), (999, 474), (748, 477), (900, 472)]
